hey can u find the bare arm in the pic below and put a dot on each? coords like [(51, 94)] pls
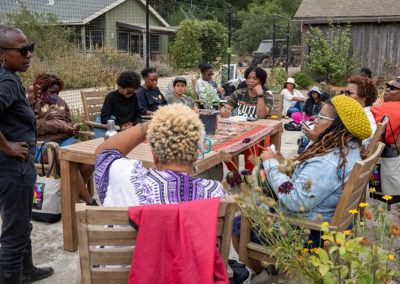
[(262, 110), (226, 111), (126, 140)]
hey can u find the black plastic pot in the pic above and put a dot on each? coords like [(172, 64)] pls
[(210, 123)]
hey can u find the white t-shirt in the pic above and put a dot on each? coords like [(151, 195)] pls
[(288, 98), (373, 126)]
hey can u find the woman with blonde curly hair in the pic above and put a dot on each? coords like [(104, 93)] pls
[(174, 135)]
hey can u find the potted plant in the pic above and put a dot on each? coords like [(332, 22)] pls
[(208, 115)]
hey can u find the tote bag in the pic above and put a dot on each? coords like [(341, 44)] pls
[(46, 206)]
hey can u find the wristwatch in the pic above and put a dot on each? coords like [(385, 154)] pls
[(260, 96)]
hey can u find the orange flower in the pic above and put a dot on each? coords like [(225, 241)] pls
[(367, 214), (380, 210), (395, 229), (365, 241)]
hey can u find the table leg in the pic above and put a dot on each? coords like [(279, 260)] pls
[(276, 139), (69, 195)]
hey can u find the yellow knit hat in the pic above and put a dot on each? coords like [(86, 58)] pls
[(353, 116)]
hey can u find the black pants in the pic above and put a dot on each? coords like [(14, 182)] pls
[(17, 181)]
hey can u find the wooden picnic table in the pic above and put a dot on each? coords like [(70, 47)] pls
[(71, 156)]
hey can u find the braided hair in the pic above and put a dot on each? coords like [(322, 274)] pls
[(335, 136), (45, 81)]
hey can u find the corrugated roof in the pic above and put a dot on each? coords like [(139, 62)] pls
[(318, 11), (68, 11)]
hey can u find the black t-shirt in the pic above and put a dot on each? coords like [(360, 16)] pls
[(150, 99), (125, 110)]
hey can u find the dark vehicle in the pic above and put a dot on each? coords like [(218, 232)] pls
[(271, 56)]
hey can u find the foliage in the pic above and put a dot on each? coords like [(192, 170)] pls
[(209, 97), (199, 41), (255, 24), (44, 30), (390, 69), (338, 257), (329, 56), (276, 79), (303, 80)]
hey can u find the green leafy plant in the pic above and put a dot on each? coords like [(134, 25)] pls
[(276, 79), (339, 257), (199, 41), (303, 80), (209, 97), (329, 57)]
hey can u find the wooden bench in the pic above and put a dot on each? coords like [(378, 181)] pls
[(341, 220), (92, 233)]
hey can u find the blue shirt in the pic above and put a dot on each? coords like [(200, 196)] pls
[(326, 188)]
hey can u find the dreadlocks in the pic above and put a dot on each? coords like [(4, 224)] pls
[(45, 81), (335, 136)]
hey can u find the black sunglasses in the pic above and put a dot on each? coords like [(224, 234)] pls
[(24, 50), (391, 87), (346, 92), (130, 92)]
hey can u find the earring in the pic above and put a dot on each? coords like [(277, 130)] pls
[(195, 169)]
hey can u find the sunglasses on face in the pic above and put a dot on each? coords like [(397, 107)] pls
[(24, 50), (346, 92), (319, 116), (391, 87), (130, 92)]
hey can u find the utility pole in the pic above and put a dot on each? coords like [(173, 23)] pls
[(147, 35)]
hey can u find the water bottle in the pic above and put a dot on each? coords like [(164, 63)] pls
[(110, 129)]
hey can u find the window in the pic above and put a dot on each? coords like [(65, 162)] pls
[(94, 39), (154, 43), (123, 41)]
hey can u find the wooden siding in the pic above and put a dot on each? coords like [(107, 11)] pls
[(375, 43)]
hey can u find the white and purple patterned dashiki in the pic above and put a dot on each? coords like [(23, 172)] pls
[(125, 182)]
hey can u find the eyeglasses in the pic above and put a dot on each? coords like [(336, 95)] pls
[(24, 50), (346, 92), (130, 92), (319, 116), (391, 87)]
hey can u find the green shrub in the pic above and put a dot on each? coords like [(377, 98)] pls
[(329, 57), (199, 41), (303, 80)]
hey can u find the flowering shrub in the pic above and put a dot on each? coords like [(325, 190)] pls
[(319, 257)]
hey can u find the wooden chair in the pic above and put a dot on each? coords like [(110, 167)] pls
[(276, 111), (377, 135), (92, 103), (341, 220), (92, 233)]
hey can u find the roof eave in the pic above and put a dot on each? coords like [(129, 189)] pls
[(345, 20)]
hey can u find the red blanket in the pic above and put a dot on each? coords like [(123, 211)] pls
[(176, 243)]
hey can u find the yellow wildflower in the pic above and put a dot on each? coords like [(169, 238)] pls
[(305, 251), (362, 223), (316, 250), (387, 197), (347, 232), (302, 209), (310, 242), (324, 237), (362, 204), (353, 211), (325, 224), (372, 189), (390, 256)]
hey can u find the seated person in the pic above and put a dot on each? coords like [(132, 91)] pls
[(126, 182), (54, 123), (364, 91), (205, 83), (327, 162), (179, 86), (391, 107), (122, 104), (366, 72), (251, 102), (243, 85), (293, 99), (311, 108), (149, 95)]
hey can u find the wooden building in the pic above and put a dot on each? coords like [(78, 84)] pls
[(375, 27)]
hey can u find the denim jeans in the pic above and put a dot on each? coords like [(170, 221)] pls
[(298, 107), (17, 181)]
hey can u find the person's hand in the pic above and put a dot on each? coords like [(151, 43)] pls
[(125, 127), (221, 90), (258, 90), (225, 112), (313, 117), (310, 133), (75, 128), (267, 154), (18, 149)]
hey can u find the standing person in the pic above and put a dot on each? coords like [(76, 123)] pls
[(206, 83), (17, 168), (149, 95), (54, 123), (122, 104), (311, 108), (179, 86), (293, 99)]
